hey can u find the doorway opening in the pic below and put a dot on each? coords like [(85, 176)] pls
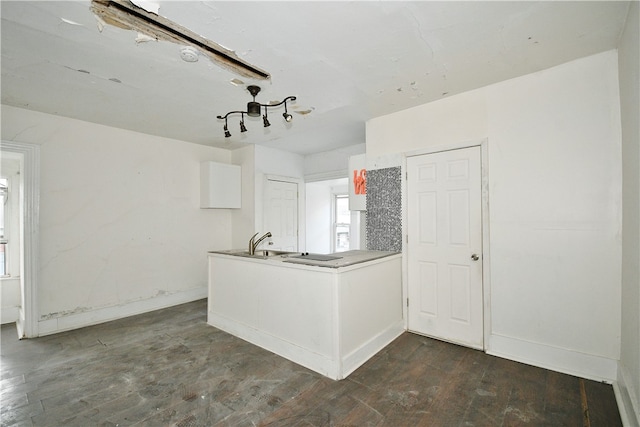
[(26, 187), (445, 246), (330, 226), (281, 214), (10, 236)]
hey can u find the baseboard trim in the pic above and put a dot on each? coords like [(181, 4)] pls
[(320, 363), (554, 358), (625, 397), (106, 314), (359, 356)]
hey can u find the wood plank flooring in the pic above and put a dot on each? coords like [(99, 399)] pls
[(169, 368)]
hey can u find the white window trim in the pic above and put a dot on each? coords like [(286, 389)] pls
[(334, 219)]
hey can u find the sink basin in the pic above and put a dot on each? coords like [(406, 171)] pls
[(269, 252), (262, 253)]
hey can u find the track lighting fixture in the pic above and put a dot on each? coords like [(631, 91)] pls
[(243, 128), (254, 109)]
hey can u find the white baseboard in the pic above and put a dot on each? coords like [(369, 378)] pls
[(628, 402), (9, 314), (320, 363), (554, 358), (323, 364), (359, 356), (106, 314)]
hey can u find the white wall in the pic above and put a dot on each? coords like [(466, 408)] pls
[(257, 163), (243, 219), (121, 230), (629, 371), (318, 209), (330, 164), (450, 120), (277, 162), (554, 202), (555, 179)]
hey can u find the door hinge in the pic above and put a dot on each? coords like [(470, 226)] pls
[(407, 302)]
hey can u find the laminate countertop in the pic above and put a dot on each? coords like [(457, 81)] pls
[(333, 260)]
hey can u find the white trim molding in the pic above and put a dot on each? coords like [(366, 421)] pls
[(28, 318), (627, 400), (557, 359)]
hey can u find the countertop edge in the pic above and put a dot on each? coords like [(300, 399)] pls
[(286, 262)]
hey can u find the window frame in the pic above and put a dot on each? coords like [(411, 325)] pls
[(335, 224)]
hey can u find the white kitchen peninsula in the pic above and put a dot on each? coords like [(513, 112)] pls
[(327, 313)]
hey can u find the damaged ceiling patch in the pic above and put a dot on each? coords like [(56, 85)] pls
[(112, 79), (125, 14), (70, 22)]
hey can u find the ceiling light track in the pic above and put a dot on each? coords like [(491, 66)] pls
[(124, 14), (254, 109)]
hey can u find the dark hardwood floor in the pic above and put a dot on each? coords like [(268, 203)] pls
[(169, 368)]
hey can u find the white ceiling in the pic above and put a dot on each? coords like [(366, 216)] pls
[(346, 62)]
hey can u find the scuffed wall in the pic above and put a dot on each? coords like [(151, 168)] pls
[(120, 222)]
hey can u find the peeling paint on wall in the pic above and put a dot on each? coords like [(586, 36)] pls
[(64, 313)]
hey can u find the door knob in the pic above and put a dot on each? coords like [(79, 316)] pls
[(475, 257)]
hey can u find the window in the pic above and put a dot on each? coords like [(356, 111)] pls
[(4, 199), (342, 223)]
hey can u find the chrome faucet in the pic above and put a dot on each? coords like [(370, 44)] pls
[(253, 244)]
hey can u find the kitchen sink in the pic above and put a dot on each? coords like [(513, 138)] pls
[(269, 252), (262, 253)]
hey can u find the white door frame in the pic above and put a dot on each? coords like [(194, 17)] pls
[(259, 224), (486, 258), (27, 323)]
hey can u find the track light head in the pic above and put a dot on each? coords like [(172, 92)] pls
[(266, 121), (287, 117)]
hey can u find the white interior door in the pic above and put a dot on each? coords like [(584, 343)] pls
[(281, 217), (445, 246)]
